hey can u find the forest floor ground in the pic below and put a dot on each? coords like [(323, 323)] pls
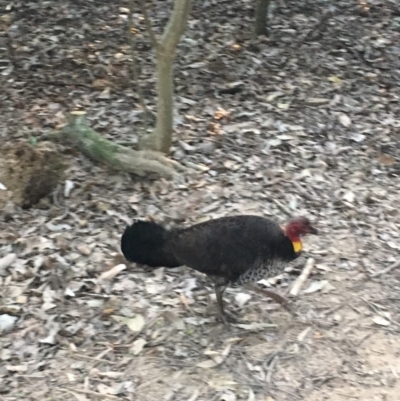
[(305, 122)]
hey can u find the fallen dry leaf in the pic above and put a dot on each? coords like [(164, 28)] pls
[(7, 261), (111, 273), (221, 113), (381, 321), (349, 196), (101, 83), (207, 364), (110, 374), (7, 322), (241, 299), (228, 396), (283, 106), (69, 186), (344, 120), (251, 396), (358, 137), (84, 249), (315, 286), (334, 79), (17, 368), (135, 323), (138, 346), (386, 160)]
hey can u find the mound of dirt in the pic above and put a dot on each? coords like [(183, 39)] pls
[(29, 173)]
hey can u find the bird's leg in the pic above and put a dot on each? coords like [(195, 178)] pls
[(270, 294), (219, 291)]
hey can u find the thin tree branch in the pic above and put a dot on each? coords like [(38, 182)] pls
[(176, 25), (149, 28), (165, 49), (135, 66)]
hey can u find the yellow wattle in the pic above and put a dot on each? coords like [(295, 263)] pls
[(297, 246)]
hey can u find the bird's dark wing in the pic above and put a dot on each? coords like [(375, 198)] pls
[(229, 246)]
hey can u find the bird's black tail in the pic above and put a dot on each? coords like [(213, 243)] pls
[(143, 242)]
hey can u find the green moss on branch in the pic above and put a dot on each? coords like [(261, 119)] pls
[(118, 157)]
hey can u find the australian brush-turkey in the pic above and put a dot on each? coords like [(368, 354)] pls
[(236, 250)]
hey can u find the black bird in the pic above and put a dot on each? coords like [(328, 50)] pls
[(235, 250)]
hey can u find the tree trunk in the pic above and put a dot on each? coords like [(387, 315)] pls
[(161, 138), (260, 16)]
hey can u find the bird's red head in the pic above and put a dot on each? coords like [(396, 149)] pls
[(297, 227)]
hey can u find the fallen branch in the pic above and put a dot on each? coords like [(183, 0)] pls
[(302, 278), (90, 143)]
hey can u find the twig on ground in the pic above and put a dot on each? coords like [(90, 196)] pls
[(271, 368), (282, 207), (347, 395), (387, 270), (193, 166), (303, 193), (334, 309), (88, 392), (302, 278), (293, 395), (91, 358)]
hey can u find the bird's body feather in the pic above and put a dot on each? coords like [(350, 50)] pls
[(235, 248)]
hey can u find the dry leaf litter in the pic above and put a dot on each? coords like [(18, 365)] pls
[(304, 122)]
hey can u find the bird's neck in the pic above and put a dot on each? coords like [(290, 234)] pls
[(296, 242)]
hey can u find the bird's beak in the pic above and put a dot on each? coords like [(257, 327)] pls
[(313, 230)]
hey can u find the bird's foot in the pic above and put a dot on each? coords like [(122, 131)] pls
[(288, 305), (226, 318)]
